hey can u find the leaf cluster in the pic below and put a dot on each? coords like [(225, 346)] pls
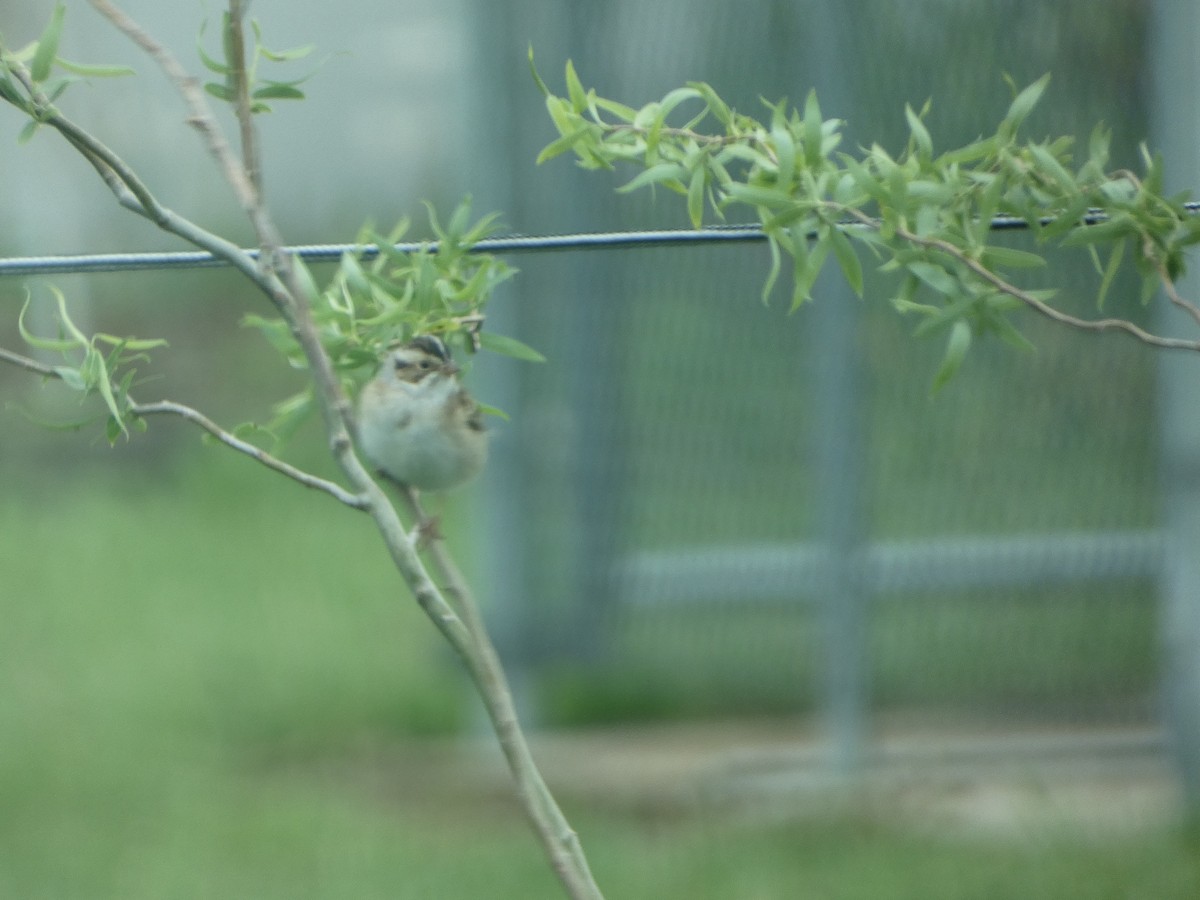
[(924, 215), (102, 364), (260, 89), (35, 76), (382, 295)]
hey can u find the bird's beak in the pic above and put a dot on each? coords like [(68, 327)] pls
[(450, 368)]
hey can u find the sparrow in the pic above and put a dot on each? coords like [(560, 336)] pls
[(417, 424)]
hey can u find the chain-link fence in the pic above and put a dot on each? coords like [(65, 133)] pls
[(735, 509)]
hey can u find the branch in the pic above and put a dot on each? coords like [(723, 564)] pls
[(131, 192), (289, 296), (1039, 306), (1172, 293), (170, 407), (250, 155), (557, 835), (201, 114), (763, 145)]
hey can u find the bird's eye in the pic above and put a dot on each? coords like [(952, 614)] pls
[(426, 364)]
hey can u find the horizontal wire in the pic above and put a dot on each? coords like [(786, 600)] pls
[(321, 253)]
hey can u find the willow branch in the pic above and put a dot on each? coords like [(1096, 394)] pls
[(197, 418), (278, 278), (1029, 299), (555, 832), (251, 159), (201, 114)]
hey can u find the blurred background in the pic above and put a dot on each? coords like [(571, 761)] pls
[(781, 620)]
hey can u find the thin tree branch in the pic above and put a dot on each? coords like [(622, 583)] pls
[(557, 836), (1172, 292), (201, 115), (29, 365), (278, 278), (1039, 306), (251, 159), (170, 407), (128, 188)]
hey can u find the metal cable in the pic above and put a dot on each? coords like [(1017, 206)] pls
[(318, 253)]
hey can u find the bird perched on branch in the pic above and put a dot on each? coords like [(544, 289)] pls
[(416, 422)]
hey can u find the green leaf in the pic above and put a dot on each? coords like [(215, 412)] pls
[(86, 70), (695, 197), (957, 346), (537, 79), (135, 344), (1110, 272), (220, 91), (47, 47), (865, 180), (564, 143), (1069, 217), (994, 257), (28, 130), (1049, 165), (785, 149), (575, 89), (8, 90), (758, 196), (773, 269), (935, 276), (847, 259), (71, 378), (807, 265), (355, 278), (277, 90), (920, 134), (903, 301), (657, 174), (289, 55), (620, 110), (508, 346), (1098, 149), (718, 107), (813, 132), (972, 152), (1024, 103), (60, 345), (997, 322), (675, 97), (113, 429), (213, 65), (95, 370), (1118, 226)]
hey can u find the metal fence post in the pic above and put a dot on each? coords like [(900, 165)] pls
[(839, 450), (1175, 120)]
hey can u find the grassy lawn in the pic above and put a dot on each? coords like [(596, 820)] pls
[(190, 678)]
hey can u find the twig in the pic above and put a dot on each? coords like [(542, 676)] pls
[(555, 832), (276, 276), (170, 407), (201, 115), (1005, 287), (1171, 291), (251, 160), (29, 365)]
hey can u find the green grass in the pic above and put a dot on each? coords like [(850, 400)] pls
[(194, 672), (196, 657)]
